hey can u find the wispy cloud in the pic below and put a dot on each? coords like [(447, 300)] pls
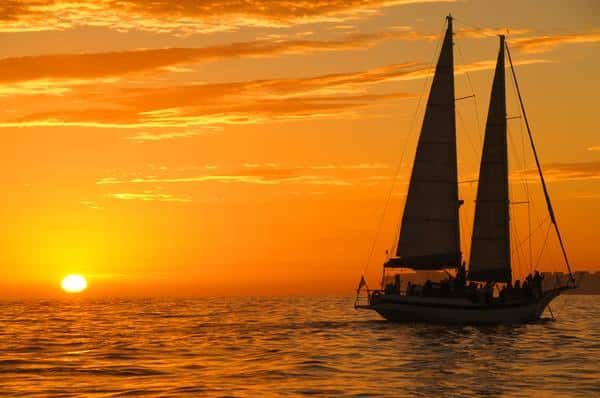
[(58, 72), (91, 204), (263, 174), (154, 137), (74, 67), (244, 102), (540, 44), (150, 196), (567, 171), (254, 178), (183, 16), (360, 166), (482, 33)]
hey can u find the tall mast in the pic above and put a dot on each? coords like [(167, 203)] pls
[(429, 235), (539, 169)]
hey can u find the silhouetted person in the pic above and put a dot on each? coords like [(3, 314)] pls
[(489, 292), (427, 288), (461, 278), (538, 280), (397, 283)]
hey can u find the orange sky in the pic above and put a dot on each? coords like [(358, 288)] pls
[(247, 147)]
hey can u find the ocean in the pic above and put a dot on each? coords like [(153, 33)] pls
[(263, 347)]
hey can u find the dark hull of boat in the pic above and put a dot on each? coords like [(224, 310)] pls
[(398, 308)]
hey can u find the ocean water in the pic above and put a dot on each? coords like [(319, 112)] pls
[(259, 347)]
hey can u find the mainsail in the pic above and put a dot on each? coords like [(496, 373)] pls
[(490, 247), (429, 236)]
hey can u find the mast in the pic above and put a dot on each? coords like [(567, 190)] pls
[(539, 169), (490, 242), (429, 235)]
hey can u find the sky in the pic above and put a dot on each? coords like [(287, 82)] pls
[(249, 147)]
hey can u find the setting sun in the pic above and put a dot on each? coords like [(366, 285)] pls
[(74, 284)]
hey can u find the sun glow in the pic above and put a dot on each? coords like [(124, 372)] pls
[(74, 283)]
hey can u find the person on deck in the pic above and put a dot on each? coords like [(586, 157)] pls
[(489, 292), (461, 278), (397, 283), (538, 280)]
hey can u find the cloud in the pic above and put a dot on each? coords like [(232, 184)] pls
[(267, 174), (153, 137), (247, 178), (483, 33), (359, 166), (540, 44), (150, 196), (567, 171), (183, 16), (214, 104), (89, 66)]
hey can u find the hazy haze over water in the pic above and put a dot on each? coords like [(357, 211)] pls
[(286, 346)]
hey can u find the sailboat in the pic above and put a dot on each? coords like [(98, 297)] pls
[(429, 238)]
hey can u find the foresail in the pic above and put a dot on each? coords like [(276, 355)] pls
[(429, 236), (490, 245)]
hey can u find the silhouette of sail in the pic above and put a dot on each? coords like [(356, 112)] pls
[(490, 247), (429, 237)]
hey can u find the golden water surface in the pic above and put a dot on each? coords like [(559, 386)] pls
[(321, 346)]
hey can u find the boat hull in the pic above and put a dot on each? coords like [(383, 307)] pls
[(398, 308)]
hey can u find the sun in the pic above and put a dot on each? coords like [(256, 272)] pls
[(74, 283)]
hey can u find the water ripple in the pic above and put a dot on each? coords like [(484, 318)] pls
[(252, 347)]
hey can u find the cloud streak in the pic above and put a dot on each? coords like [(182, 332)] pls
[(150, 196), (541, 44), (242, 102), (253, 178), (269, 174), (154, 137), (183, 16), (121, 63), (567, 171)]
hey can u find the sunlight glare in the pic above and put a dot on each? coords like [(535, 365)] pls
[(74, 283)]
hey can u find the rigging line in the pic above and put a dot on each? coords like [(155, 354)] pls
[(462, 122), (528, 238), (516, 251), (530, 204), (518, 159), (515, 234), (543, 246), (529, 199), (539, 167), (399, 165), (468, 75), (525, 185), (525, 182)]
